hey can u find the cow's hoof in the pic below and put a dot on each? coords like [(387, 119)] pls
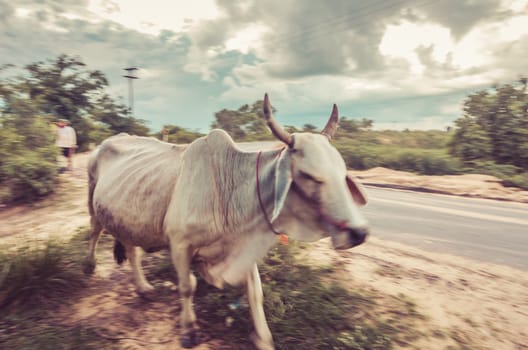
[(147, 294), (190, 339), (193, 338), (88, 266), (261, 344)]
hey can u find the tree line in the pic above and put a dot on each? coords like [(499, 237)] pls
[(494, 127), (490, 137), (31, 101)]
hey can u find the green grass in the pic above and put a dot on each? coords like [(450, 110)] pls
[(34, 282), (32, 276), (306, 307), (28, 332)]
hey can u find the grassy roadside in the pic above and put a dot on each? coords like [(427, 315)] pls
[(34, 283), (307, 307)]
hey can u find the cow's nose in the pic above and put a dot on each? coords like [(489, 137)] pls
[(356, 236)]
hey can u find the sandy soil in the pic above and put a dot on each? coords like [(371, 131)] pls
[(468, 304), (469, 185)]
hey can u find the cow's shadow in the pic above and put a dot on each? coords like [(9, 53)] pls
[(223, 315), (152, 321)]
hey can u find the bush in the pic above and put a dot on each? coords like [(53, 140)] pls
[(426, 162), (422, 161), (519, 180), (511, 175), (491, 168), (28, 159)]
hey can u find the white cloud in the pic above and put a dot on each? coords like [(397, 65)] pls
[(401, 41), (246, 39), (52, 27), (155, 15), (425, 123), (516, 5), (307, 55), (200, 63), (149, 73), (22, 12)]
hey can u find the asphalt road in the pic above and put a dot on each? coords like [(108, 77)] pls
[(487, 230)]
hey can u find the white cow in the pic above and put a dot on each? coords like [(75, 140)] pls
[(221, 207)]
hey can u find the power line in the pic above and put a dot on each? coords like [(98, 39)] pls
[(131, 75), (359, 20), (356, 19), (334, 21)]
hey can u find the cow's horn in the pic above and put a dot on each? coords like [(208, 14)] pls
[(275, 128), (331, 126)]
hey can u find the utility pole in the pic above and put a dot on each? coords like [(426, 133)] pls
[(131, 75)]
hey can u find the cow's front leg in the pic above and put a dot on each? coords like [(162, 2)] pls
[(262, 335), (181, 258), (142, 286)]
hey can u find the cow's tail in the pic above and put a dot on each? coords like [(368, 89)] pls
[(119, 252)]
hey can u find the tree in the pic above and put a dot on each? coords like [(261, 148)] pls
[(309, 128), (470, 141), (58, 88), (65, 88), (494, 126), (351, 126), (177, 134), (116, 117), (291, 129), (244, 123), (28, 168), (366, 124), (348, 125)]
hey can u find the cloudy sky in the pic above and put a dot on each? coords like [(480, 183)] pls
[(402, 63)]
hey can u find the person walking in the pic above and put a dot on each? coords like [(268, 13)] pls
[(66, 139)]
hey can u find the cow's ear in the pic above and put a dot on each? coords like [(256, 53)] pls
[(356, 190), (283, 181)]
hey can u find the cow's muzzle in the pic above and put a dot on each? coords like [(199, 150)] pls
[(350, 238)]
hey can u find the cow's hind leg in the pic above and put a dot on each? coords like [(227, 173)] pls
[(134, 254), (262, 336), (181, 258), (89, 262)]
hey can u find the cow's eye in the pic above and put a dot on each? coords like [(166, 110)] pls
[(310, 177)]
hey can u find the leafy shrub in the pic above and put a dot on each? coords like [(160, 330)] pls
[(422, 161), (511, 175), (494, 126), (431, 139), (519, 180), (493, 169), (28, 159), (427, 162)]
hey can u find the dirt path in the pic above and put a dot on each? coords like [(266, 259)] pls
[(468, 305), (56, 216)]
